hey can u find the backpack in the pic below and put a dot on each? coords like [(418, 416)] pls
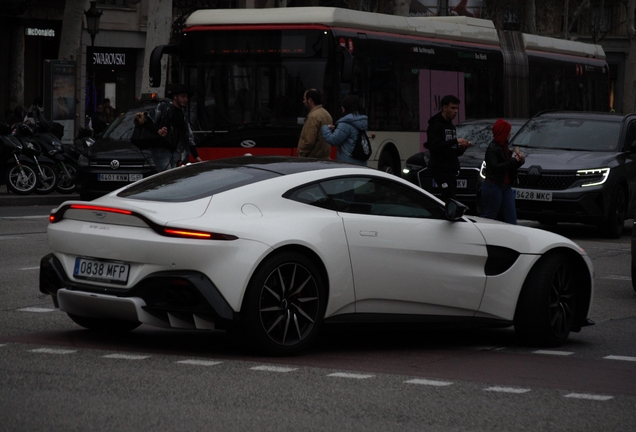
[(362, 150)]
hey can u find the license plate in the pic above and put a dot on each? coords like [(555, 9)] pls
[(119, 177), (533, 195), (101, 271), (461, 183)]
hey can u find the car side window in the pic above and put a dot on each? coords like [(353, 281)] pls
[(311, 194), (631, 135), (380, 197)]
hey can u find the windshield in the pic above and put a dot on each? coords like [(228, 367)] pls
[(569, 134), (480, 134), (122, 127), (231, 95)]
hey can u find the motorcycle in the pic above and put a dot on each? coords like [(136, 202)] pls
[(44, 167), (17, 174)]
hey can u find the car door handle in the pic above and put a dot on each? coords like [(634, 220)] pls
[(369, 233)]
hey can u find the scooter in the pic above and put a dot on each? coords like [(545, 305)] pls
[(17, 173), (44, 167)]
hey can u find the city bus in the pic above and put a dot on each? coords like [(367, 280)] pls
[(249, 68)]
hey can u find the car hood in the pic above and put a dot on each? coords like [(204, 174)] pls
[(110, 149), (522, 239), (564, 159)]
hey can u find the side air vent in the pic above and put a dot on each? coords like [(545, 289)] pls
[(499, 259)]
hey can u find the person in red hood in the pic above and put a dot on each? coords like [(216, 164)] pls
[(501, 175)]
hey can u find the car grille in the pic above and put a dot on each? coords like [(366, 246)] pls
[(548, 180)]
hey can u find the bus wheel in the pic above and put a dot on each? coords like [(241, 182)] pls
[(387, 164)]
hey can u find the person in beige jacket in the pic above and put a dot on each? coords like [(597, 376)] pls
[(311, 143)]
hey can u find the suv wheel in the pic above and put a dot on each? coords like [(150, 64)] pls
[(612, 225)]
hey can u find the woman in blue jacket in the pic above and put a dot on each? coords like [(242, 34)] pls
[(345, 132)]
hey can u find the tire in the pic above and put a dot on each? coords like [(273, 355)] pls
[(548, 302), (20, 180), (612, 225), (47, 181), (104, 325), (387, 164), (66, 184), (284, 305)]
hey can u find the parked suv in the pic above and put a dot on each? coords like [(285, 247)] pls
[(579, 168)]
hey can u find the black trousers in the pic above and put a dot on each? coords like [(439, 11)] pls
[(447, 182)]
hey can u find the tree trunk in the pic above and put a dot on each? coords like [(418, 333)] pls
[(71, 37), (16, 75), (629, 97), (159, 29)]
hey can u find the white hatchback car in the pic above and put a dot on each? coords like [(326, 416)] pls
[(273, 247)]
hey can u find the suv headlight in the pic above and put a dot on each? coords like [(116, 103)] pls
[(593, 177), (482, 170)]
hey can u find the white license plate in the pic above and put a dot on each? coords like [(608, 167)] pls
[(461, 183), (119, 177), (101, 271), (533, 195)]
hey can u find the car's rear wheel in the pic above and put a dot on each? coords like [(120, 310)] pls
[(104, 325), (612, 225), (547, 305), (284, 304)]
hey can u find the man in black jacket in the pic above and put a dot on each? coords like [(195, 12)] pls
[(445, 147)]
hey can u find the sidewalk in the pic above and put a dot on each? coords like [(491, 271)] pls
[(8, 199)]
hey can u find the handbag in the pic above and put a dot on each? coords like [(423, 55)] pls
[(145, 134)]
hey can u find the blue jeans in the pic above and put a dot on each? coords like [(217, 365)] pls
[(499, 202), (164, 159)]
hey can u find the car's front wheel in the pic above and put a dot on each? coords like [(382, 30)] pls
[(612, 225), (104, 325), (547, 305), (284, 304)]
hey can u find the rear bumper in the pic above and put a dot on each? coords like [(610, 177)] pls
[(177, 299)]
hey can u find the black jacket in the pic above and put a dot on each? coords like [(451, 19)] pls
[(498, 165), (442, 145)]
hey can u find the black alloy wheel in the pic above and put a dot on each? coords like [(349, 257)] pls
[(284, 304), (21, 180), (548, 302)]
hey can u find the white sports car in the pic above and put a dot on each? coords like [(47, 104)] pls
[(273, 247)]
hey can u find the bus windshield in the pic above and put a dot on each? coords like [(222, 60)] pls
[(231, 95)]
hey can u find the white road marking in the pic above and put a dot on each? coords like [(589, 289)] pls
[(557, 353), (350, 375), (25, 217), (613, 357), (52, 351), (507, 389), (200, 362), (588, 396), (3, 345), (30, 268), (36, 309), (126, 356), (273, 369), (429, 382), (616, 277)]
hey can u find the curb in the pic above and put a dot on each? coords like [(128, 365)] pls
[(53, 199)]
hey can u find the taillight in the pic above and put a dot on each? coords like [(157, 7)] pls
[(100, 208), (183, 233)]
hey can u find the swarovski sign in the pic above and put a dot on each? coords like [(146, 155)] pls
[(117, 59)]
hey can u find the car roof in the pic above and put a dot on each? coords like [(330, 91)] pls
[(283, 165)]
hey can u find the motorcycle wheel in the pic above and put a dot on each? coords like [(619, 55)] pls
[(66, 183), (21, 180), (47, 181)]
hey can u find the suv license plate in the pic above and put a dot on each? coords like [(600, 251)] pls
[(101, 271), (533, 195)]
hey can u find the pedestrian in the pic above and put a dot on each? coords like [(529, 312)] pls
[(311, 142), (110, 112), (501, 174), (445, 147), (98, 122), (346, 130), (170, 118)]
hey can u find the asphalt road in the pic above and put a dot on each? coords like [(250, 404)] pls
[(57, 376)]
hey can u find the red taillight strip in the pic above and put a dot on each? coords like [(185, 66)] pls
[(100, 208), (175, 232)]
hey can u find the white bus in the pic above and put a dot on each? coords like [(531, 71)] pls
[(249, 69)]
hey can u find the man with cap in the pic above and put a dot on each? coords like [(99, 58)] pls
[(171, 119), (501, 175)]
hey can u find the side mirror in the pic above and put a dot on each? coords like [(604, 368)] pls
[(454, 210)]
